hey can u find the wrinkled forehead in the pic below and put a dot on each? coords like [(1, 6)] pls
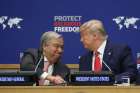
[(57, 41)]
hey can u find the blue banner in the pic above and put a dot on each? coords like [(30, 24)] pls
[(22, 23)]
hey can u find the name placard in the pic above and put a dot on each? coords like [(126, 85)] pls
[(24, 78), (90, 78)]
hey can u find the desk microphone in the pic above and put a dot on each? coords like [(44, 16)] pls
[(107, 66), (38, 63)]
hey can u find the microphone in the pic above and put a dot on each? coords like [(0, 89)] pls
[(38, 63), (107, 66)]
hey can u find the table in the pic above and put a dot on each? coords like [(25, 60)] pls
[(69, 89)]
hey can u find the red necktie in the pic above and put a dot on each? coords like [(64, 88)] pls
[(97, 63)]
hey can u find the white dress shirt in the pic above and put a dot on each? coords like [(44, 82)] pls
[(45, 74)]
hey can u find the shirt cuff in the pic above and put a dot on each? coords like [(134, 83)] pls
[(44, 75)]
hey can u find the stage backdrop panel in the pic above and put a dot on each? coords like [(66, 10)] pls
[(23, 21)]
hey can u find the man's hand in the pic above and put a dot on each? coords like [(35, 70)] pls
[(56, 79)]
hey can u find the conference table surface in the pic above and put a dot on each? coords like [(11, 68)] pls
[(69, 89)]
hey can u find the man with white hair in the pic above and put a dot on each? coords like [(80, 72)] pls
[(104, 55), (46, 60)]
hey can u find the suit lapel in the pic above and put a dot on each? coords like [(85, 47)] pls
[(56, 69), (107, 55), (90, 61)]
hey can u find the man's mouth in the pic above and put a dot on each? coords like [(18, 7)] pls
[(57, 54)]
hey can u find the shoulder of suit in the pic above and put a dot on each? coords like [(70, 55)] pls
[(32, 51), (61, 65)]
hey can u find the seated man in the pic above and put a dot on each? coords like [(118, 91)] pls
[(46, 60), (104, 55)]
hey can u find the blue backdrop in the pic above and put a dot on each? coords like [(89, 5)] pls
[(23, 21)]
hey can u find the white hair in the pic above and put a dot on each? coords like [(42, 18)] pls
[(47, 36)]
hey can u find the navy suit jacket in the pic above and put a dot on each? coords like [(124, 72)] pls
[(31, 58), (118, 58)]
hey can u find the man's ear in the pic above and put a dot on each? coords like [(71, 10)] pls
[(97, 35), (94, 35)]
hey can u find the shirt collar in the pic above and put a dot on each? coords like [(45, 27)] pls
[(102, 47), (45, 59)]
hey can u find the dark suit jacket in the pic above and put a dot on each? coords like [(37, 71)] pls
[(31, 58), (117, 57)]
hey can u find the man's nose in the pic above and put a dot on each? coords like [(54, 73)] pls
[(81, 39), (60, 49)]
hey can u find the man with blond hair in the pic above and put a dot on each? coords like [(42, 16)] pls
[(103, 55)]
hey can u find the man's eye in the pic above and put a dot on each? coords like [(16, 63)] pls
[(57, 46)]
